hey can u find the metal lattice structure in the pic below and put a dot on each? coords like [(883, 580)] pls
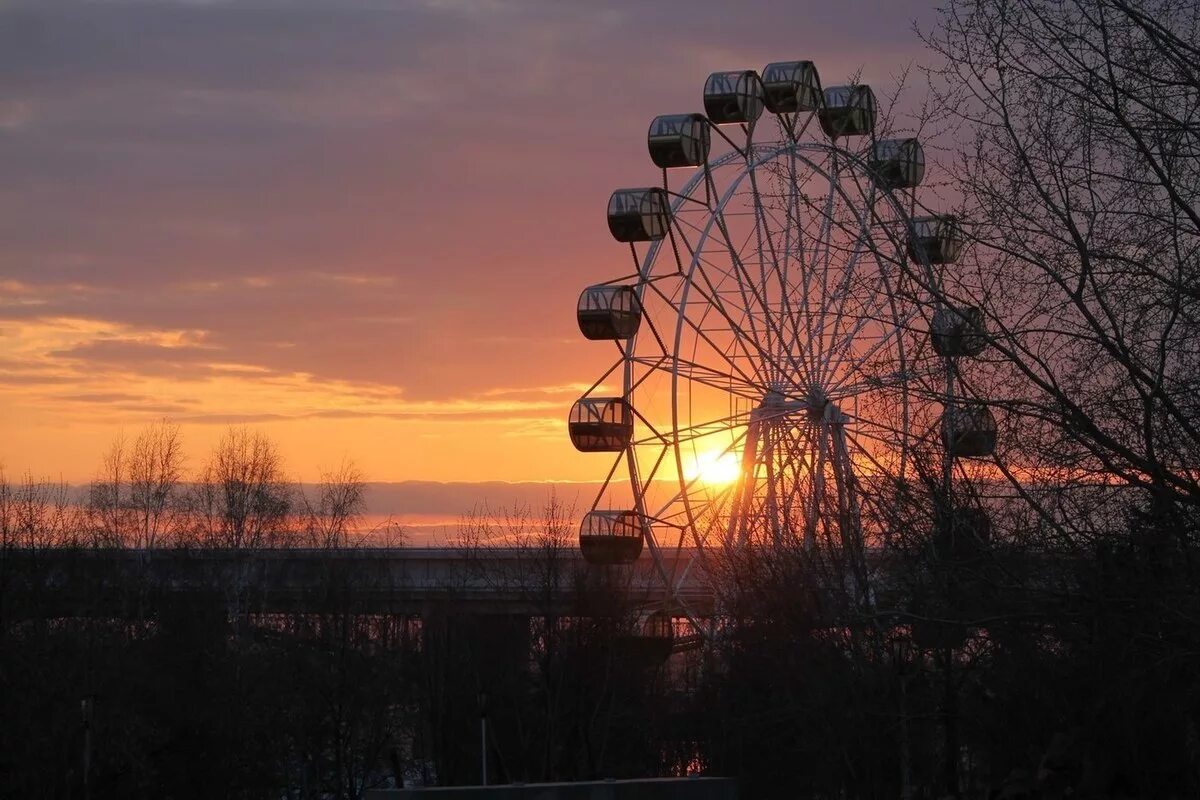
[(774, 349)]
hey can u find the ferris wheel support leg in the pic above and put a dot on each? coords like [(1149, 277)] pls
[(772, 500), (850, 514), (818, 487), (739, 525), (947, 457), (949, 710)]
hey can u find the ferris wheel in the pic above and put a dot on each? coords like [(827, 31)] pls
[(776, 358)]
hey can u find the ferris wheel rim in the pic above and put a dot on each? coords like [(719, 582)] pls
[(827, 401), (765, 152)]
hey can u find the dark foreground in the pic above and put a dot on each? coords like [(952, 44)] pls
[(1072, 674)]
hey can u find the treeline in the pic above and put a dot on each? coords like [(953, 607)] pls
[(193, 695), (144, 496), (1001, 667), (1009, 666)]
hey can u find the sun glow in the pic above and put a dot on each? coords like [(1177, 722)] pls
[(715, 467)]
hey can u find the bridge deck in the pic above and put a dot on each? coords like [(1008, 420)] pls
[(394, 580)]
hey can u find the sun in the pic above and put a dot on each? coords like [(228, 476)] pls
[(715, 467)]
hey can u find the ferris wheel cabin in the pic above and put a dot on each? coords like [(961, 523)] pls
[(608, 312), (638, 215), (732, 98), (611, 537), (679, 140), (654, 638), (958, 331), (791, 86), (969, 430), (897, 163), (848, 111), (600, 424), (935, 240)]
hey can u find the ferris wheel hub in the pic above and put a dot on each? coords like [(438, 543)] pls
[(821, 409), (775, 405), (774, 400), (817, 403)]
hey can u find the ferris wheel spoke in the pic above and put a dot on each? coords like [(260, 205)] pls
[(712, 304), (899, 379), (674, 512), (772, 354), (701, 430), (854, 365), (763, 232), (884, 434), (840, 290), (735, 259), (650, 476), (715, 302), (891, 320), (759, 290), (760, 357), (722, 424), (699, 231), (789, 330), (720, 222), (825, 240), (800, 290), (703, 335), (745, 283), (696, 484), (818, 264), (821, 333), (842, 348), (702, 374), (830, 328)]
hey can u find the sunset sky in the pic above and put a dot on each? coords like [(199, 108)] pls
[(358, 225)]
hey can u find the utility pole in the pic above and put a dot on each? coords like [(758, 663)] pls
[(85, 710), (949, 713), (902, 654), (483, 740)]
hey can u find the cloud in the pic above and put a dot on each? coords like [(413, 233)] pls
[(345, 212)]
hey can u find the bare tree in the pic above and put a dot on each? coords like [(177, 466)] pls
[(1078, 129), (43, 514), (1075, 132), (154, 465), (8, 521), (108, 505), (134, 500), (241, 498), (332, 514)]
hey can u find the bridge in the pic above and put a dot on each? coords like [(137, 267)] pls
[(419, 581)]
